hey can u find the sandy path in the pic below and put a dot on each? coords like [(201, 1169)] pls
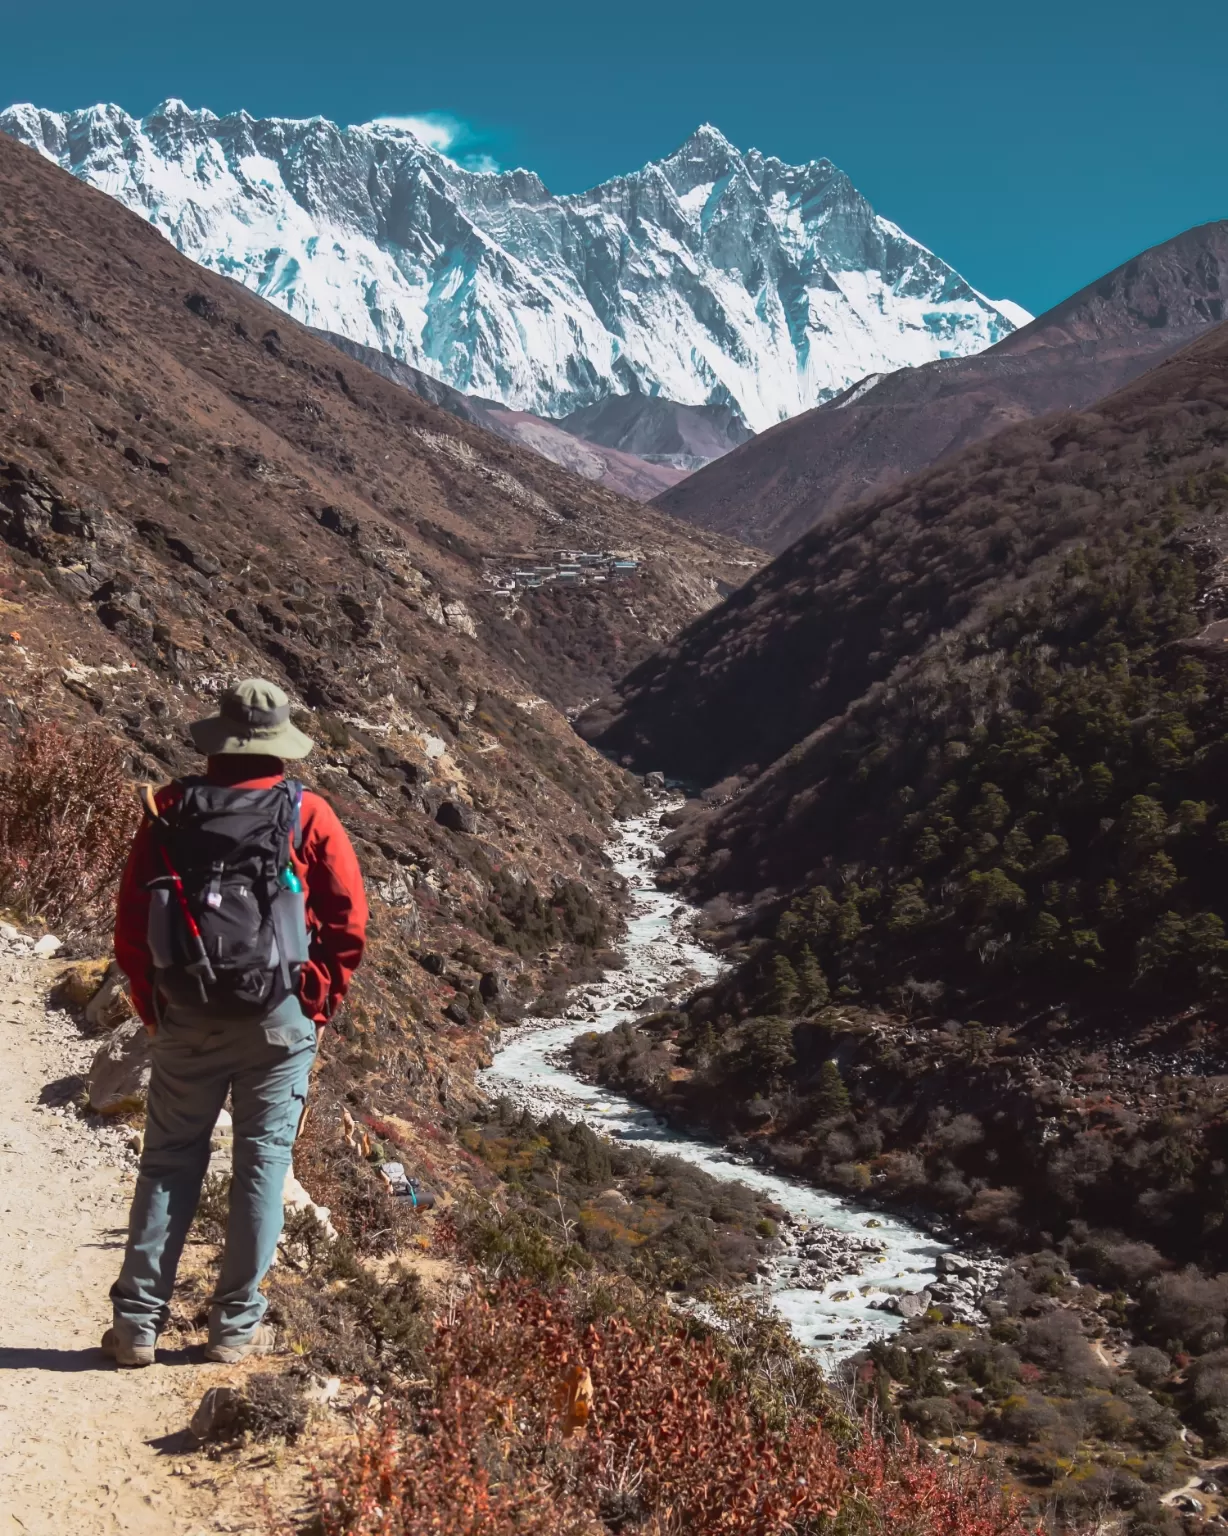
[(78, 1438)]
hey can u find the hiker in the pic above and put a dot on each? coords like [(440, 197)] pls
[(241, 920)]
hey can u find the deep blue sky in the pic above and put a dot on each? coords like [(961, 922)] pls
[(1033, 143)]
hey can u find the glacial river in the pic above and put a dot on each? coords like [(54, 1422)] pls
[(531, 1069)]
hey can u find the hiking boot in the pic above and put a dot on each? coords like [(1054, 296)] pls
[(125, 1351), (262, 1341)]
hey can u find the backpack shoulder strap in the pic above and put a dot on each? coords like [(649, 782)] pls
[(295, 790), (147, 796)]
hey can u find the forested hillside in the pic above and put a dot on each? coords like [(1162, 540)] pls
[(960, 822), (996, 820), (977, 724)]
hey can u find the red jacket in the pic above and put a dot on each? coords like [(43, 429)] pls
[(326, 864)]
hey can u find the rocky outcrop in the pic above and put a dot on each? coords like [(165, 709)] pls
[(119, 1074)]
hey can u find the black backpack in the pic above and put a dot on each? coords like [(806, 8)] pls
[(227, 918)]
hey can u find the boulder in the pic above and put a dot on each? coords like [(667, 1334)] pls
[(955, 1264), (76, 984), (218, 1411), (295, 1198), (110, 1004), (119, 1073), (456, 816), (48, 945), (654, 780), (916, 1305)]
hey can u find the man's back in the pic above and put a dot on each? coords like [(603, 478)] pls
[(241, 1036), (324, 861)]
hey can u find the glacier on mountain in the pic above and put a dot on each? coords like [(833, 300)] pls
[(709, 277)]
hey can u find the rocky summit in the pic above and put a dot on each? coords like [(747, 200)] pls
[(711, 277)]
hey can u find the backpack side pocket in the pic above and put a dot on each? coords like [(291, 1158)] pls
[(161, 930)]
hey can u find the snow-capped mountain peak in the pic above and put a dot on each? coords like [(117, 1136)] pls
[(711, 276)]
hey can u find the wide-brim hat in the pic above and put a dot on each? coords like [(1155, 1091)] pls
[(253, 720)]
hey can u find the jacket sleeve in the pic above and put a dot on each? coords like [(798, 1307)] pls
[(336, 910), (132, 924)]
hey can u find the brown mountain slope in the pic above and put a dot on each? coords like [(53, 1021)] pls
[(621, 472), (1181, 285), (789, 479), (192, 488), (660, 431)]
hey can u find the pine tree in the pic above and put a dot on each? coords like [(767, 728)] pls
[(783, 993), (767, 1055), (833, 1096), (813, 983)]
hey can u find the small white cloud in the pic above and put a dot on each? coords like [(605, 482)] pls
[(444, 133), (434, 129)]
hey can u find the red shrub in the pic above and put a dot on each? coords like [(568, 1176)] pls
[(673, 1445), (68, 810)]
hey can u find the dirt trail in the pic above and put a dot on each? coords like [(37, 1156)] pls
[(79, 1440)]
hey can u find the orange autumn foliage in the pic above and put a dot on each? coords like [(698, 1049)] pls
[(498, 1454)]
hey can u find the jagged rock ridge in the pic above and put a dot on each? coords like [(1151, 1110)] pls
[(711, 277)]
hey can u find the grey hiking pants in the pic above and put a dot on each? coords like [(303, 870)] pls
[(264, 1067)]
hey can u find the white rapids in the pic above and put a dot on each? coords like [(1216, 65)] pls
[(530, 1068)]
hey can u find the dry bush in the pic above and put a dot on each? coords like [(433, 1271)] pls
[(340, 1178), (67, 817), (673, 1444)]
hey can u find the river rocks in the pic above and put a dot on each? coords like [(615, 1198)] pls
[(812, 1257), (119, 1074), (851, 1260), (891, 1303), (910, 1306), (965, 1282)]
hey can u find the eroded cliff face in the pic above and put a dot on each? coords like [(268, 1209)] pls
[(709, 277)]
